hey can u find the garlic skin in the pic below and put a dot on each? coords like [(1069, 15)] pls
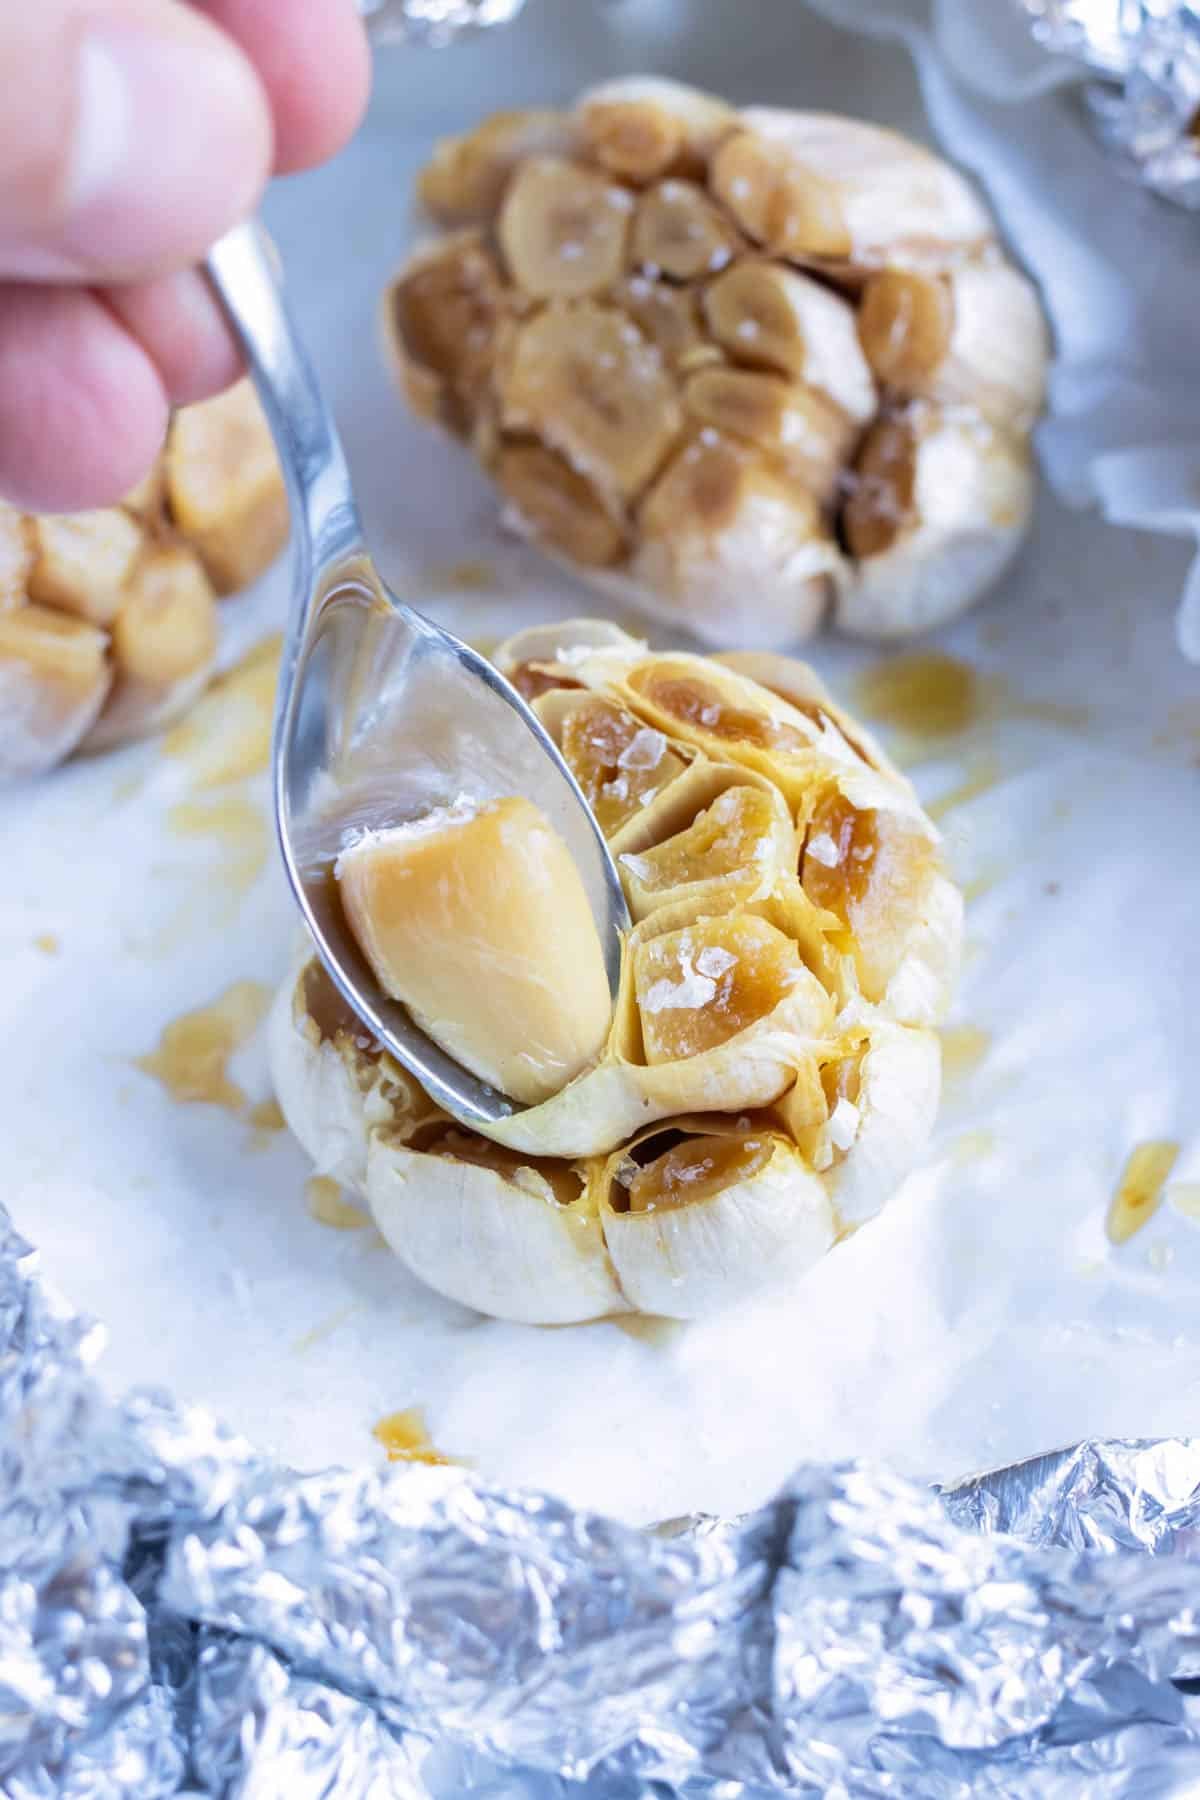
[(501, 1244), (109, 618), (761, 1230), (769, 1074), (668, 329), (972, 490)]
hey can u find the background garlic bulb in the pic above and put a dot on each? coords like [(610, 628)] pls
[(770, 1071), (740, 369), (108, 619)]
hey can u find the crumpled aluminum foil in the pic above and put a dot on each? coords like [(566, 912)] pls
[(1146, 104), (176, 1612), (434, 22)]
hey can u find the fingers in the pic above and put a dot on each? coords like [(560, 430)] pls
[(136, 133), (83, 410), (313, 59), (178, 323)]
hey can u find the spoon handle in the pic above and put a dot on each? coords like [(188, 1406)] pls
[(325, 523)]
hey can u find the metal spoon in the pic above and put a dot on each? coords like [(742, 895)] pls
[(381, 715)]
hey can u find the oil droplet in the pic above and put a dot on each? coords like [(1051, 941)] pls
[(326, 1206), (985, 772), (1184, 1197), (405, 1438), (227, 734), (1140, 1190), (963, 1049), (971, 1146), (1160, 1256), (266, 1116), (194, 1050), (648, 1328), (928, 697), (237, 826), (926, 694), (47, 941)]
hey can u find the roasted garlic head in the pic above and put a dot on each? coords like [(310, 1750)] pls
[(742, 370), (770, 1071), (108, 619)]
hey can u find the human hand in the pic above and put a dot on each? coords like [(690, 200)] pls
[(133, 133)]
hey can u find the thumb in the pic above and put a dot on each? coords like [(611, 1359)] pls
[(133, 132)]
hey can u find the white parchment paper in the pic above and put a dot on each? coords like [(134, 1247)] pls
[(985, 1315)]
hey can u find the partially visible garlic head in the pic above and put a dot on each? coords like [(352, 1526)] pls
[(677, 335), (108, 619), (769, 1073)]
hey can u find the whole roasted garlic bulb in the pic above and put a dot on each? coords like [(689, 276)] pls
[(770, 1071), (108, 619), (739, 369)]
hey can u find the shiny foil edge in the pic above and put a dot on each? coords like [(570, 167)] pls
[(434, 23), (178, 1611), (1145, 106)]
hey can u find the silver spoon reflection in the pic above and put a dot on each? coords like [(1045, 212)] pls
[(381, 715)]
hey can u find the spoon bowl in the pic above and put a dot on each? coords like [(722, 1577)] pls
[(381, 715)]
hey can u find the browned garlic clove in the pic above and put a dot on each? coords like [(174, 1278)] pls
[(225, 487), (562, 229), (464, 181)]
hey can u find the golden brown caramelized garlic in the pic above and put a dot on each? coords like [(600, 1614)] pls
[(770, 1070), (108, 619), (745, 370)]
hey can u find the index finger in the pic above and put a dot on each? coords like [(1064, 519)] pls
[(313, 59)]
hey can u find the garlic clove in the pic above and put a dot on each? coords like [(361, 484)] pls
[(442, 315), (770, 317), (225, 487), (640, 127), (54, 677), (163, 646), (713, 1218), (478, 921), (839, 192), (464, 181), (939, 504), (973, 335), (899, 1084), (82, 561), (679, 233), (491, 1229), (731, 547), (583, 379), (562, 229)]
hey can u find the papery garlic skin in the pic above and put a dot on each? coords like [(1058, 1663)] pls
[(671, 329), (770, 1071)]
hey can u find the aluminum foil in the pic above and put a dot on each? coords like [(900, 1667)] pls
[(434, 22), (176, 1612), (1146, 104)]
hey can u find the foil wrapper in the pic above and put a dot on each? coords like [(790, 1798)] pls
[(179, 1613), (1146, 100), (434, 22)]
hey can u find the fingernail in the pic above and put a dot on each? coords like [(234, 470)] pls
[(172, 145)]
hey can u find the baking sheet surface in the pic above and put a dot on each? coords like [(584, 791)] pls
[(985, 1315)]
